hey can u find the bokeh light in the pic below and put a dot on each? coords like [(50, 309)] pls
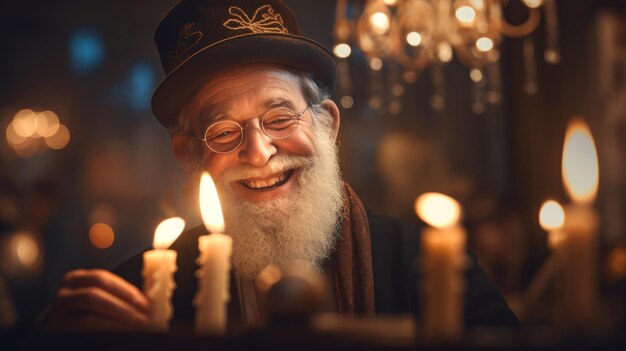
[(444, 52), (376, 64), (476, 75), (551, 215), (60, 139), (25, 122), (101, 235), (414, 38), (465, 15), (533, 4), (438, 210), (342, 50), (52, 123), (380, 22), (484, 44), (26, 249), (347, 101)]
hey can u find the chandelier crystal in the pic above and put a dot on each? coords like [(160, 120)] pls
[(402, 38)]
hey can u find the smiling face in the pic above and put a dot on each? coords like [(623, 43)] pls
[(258, 170), (281, 197)]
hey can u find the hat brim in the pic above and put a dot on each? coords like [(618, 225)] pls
[(284, 49)]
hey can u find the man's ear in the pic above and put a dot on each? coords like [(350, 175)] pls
[(333, 111)]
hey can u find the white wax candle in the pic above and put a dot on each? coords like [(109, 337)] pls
[(443, 260), (158, 284), (578, 258), (443, 257), (578, 250), (159, 266), (213, 284)]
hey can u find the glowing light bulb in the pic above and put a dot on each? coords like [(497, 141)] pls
[(484, 44), (380, 22), (342, 50), (466, 15), (414, 38)]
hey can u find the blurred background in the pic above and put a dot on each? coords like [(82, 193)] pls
[(87, 173)]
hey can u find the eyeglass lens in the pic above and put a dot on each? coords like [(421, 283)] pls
[(226, 136)]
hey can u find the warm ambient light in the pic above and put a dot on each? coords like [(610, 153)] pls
[(380, 22), (484, 44), (465, 15), (390, 2), (101, 235), (167, 232), (52, 123), (347, 101), (438, 210), (210, 205), (444, 52), (477, 4), (551, 216), (414, 38), (26, 249), (59, 139), (476, 75), (533, 4), (376, 64), (25, 123), (342, 50), (580, 162)]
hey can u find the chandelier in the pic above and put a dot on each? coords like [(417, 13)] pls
[(400, 39)]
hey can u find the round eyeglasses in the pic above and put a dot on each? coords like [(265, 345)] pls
[(226, 136)]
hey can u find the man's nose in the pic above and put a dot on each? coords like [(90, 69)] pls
[(257, 148)]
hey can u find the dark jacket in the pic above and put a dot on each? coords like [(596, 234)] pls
[(395, 249)]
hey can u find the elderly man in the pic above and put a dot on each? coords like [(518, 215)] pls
[(246, 99)]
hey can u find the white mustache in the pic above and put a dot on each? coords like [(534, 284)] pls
[(276, 164)]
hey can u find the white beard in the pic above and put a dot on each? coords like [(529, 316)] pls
[(301, 226)]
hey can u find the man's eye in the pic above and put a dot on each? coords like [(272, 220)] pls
[(224, 136), (278, 122)]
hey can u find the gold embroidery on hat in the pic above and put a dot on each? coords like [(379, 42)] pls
[(264, 20), (187, 39)]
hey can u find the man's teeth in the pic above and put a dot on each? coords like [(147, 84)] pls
[(259, 184)]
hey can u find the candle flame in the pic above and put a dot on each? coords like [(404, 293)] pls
[(580, 162), (167, 232), (551, 215), (210, 205), (438, 210)]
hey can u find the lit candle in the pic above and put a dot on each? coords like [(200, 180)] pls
[(214, 274), (443, 261), (551, 219), (159, 266), (580, 241)]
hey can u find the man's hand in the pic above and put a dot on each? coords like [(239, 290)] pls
[(97, 300)]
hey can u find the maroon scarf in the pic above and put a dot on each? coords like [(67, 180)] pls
[(352, 260)]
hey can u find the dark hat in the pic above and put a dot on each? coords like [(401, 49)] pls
[(197, 39)]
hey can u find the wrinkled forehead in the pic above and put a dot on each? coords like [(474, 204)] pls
[(248, 85)]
